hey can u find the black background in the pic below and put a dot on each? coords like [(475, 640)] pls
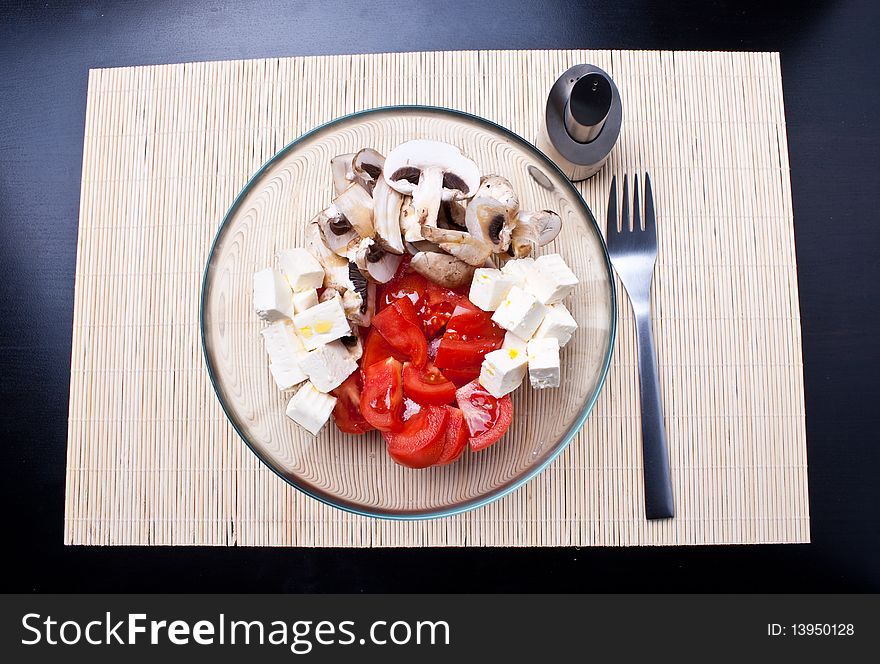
[(830, 81)]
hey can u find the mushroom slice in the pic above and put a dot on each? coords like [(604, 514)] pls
[(422, 245), (533, 230), (373, 260), (337, 232), (430, 171), (443, 269), (367, 166), (343, 172), (463, 245), (356, 205), (491, 221), (342, 277), (452, 216), (386, 216), (499, 188), (353, 343), (409, 222)]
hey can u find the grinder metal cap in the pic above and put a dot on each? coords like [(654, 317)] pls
[(582, 121)]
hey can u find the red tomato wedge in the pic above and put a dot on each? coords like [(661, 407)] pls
[(421, 440), (346, 412), (382, 396), (461, 377), (410, 285), (399, 325), (471, 322), (457, 353), (439, 305), (426, 385), (487, 418), (457, 435), (377, 349)]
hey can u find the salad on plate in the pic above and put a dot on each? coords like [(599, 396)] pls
[(417, 305)]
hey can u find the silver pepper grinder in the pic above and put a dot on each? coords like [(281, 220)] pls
[(582, 121)]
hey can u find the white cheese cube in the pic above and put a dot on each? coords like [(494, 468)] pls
[(551, 280), (286, 374), (305, 300), (503, 371), (558, 323), (272, 297), (321, 324), (543, 363), (518, 269), (301, 269), (282, 344), (328, 366), (489, 288), (513, 341), (520, 313), (310, 408)]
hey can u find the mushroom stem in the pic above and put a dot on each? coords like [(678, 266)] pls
[(427, 196), (386, 216), (342, 170)]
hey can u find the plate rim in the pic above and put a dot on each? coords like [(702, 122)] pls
[(474, 503)]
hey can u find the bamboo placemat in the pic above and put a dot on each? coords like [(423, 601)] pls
[(151, 458)]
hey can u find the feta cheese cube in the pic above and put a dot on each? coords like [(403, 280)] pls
[(520, 313), (503, 371), (285, 351), (301, 269), (310, 408), (543, 357), (321, 324), (328, 366), (304, 300), (518, 269), (490, 287), (282, 344), (551, 280), (558, 324), (272, 297), (513, 341), (286, 374)]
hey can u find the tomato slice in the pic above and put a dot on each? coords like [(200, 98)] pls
[(377, 349), (411, 285), (470, 322), (421, 440), (457, 353), (426, 385), (461, 376), (487, 418), (382, 396), (399, 325), (439, 305), (346, 412), (457, 435)]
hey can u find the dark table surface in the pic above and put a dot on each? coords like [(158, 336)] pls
[(829, 64)]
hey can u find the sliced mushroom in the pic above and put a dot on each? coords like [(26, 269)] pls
[(463, 245), (452, 216), (343, 172), (422, 245), (353, 343), (367, 166), (491, 221), (443, 269), (533, 230), (343, 277), (430, 171), (499, 188), (356, 205), (409, 222), (386, 216), (374, 261), (337, 232)]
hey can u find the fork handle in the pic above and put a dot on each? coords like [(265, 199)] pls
[(658, 483)]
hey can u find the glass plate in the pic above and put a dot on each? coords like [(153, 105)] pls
[(353, 472)]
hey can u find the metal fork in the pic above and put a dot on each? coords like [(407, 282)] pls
[(633, 252)]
